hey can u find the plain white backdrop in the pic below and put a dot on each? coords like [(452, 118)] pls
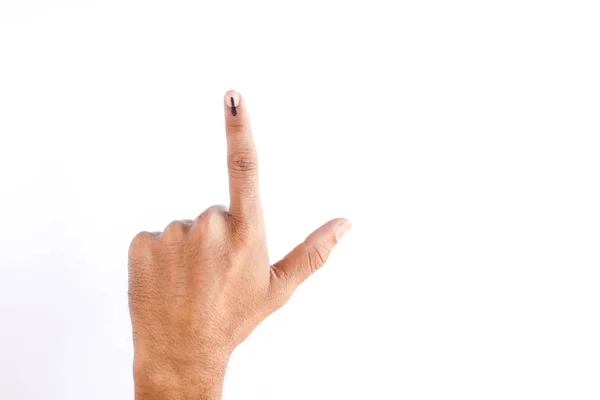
[(461, 138)]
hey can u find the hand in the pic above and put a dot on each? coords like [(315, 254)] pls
[(199, 288)]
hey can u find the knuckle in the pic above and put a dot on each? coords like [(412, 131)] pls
[(209, 219), (175, 229), (141, 239), (317, 256), (242, 161), (237, 128), (141, 245)]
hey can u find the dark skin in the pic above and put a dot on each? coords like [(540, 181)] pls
[(199, 288)]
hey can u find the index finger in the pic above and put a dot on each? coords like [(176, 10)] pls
[(242, 161)]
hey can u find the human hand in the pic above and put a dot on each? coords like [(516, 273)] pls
[(199, 288)]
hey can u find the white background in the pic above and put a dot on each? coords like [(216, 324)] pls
[(461, 138)]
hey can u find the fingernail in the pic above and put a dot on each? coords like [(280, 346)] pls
[(232, 100), (343, 229)]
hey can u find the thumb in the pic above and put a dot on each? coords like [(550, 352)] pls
[(309, 256)]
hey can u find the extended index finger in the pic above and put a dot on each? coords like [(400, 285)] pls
[(242, 160)]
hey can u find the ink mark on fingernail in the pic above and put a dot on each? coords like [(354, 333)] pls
[(233, 110)]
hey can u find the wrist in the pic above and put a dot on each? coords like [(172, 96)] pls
[(156, 380)]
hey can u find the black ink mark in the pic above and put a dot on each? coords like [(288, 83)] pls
[(233, 110)]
